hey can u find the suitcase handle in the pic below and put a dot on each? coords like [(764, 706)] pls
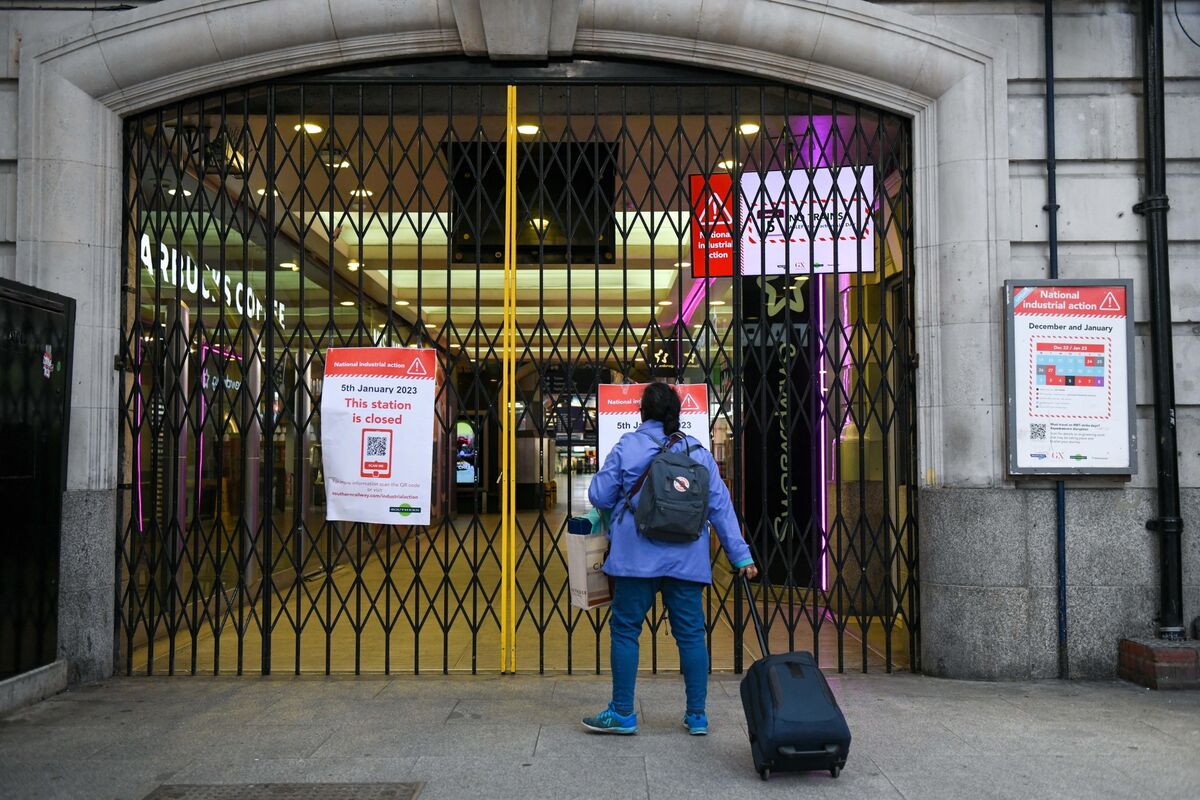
[(758, 626), (791, 752)]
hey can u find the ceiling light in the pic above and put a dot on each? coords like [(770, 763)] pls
[(729, 164), (310, 128), (290, 265), (683, 264), (382, 326), (173, 191), (528, 129), (716, 302), (748, 128), (539, 223), (361, 193), (334, 158), (347, 302), (353, 265), (664, 302), (261, 192), (401, 302), (455, 345)]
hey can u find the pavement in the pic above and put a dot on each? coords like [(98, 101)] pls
[(519, 737)]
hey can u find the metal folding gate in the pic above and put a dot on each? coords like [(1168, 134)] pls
[(547, 230)]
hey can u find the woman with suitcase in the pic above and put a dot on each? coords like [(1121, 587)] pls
[(653, 551)]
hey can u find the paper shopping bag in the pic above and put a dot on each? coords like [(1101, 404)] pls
[(590, 587)]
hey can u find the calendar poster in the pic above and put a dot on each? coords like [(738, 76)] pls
[(1069, 377)]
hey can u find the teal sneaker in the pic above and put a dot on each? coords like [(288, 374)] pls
[(609, 721), (696, 724)]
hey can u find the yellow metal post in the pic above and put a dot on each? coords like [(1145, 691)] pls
[(508, 394)]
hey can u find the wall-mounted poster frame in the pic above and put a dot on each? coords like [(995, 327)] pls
[(1069, 377)]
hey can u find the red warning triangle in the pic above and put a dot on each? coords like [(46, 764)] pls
[(1109, 303), (689, 403), (417, 367)]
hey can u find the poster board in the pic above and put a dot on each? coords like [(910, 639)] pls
[(1069, 377), (377, 409), (618, 407), (797, 222), (803, 221)]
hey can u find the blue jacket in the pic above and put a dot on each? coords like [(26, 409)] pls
[(633, 555)]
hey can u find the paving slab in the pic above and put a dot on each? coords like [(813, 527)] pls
[(545, 778), (296, 770), (1013, 776), (1182, 726), (291, 791), (64, 742), (85, 779), (514, 739), (260, 740)]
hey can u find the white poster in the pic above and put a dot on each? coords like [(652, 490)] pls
[(1069, 395), (619, 410), (377, 434), (800, 224)]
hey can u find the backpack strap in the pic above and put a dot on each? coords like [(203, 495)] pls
[(674, 438)]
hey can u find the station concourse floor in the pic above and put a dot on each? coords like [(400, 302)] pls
[(363, 647), (518, 736)]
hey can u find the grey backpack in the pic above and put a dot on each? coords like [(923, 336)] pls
[(673, 504)]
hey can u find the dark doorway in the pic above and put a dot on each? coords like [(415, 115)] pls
[(36, 339)]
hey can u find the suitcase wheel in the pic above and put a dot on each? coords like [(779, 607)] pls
[(764, 773), (835, 771)]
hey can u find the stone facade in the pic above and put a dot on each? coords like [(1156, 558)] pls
[(977, 519), (968, 73)]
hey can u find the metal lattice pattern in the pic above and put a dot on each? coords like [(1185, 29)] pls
[(267, 224)]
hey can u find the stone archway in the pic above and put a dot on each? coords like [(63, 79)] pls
[(75, 87)]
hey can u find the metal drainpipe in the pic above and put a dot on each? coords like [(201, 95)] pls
[(1154, 206), (1051, 208)]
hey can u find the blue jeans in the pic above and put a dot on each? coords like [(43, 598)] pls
[(632, 598)]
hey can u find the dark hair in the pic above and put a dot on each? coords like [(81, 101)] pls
[(661, 403)]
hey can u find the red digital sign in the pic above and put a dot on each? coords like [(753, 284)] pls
[(712, 225)]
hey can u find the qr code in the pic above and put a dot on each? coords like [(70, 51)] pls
[(377, 445), (1037, 432)]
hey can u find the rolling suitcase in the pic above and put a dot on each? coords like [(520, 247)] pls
[(794, 721)]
